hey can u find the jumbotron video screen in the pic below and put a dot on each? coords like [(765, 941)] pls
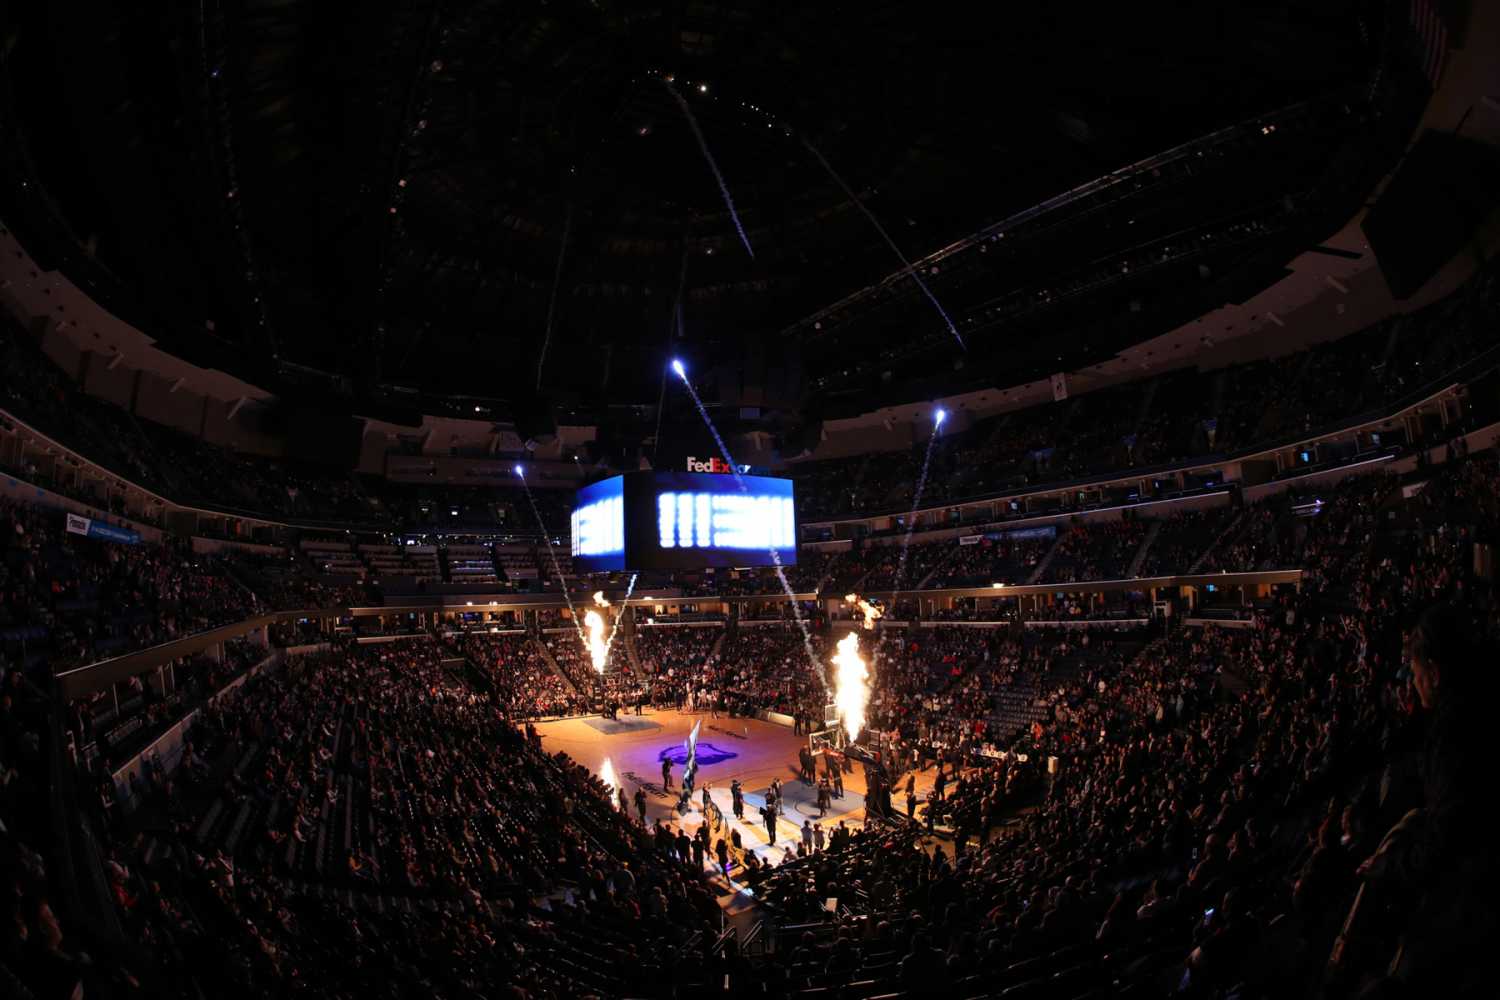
[(684, 520)]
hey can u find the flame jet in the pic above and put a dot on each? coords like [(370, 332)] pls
[(851, 685), (871, 612), (593, 622)]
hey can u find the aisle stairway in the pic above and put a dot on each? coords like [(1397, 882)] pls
[(941, 564), (547, 658), (632, 655), (1134, 569), (841, 572), (558, 575), (1041, 567), (1228, 532)]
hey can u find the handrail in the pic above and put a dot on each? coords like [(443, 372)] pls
[(693, 941), (207, 507), (87, 678), (755, 936), (1417, 397), (726, 935), (74, 850)]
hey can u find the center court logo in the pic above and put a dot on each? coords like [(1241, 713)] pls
[(707, 754)]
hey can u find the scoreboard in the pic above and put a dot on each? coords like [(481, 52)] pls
[(683, 520)]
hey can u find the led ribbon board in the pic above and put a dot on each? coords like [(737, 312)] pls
[(684, 520)]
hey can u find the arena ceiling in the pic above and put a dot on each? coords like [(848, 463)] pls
[(413, 200)]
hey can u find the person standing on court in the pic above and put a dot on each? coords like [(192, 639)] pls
[(666, 773), (640, 804), (700, 846), (737, 797)]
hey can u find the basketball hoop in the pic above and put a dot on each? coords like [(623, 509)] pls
[(825, 740)]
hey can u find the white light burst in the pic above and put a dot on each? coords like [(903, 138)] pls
[(593, 623), (851, 685)]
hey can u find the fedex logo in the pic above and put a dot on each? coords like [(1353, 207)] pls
[(714, 465)]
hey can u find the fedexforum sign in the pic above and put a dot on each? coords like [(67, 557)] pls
[(714, 465)]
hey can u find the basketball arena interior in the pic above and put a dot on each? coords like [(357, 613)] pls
[(592, 499)]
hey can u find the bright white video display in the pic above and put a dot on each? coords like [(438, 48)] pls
[(652, 520), (598, 525), (598, 529), (725, 521)]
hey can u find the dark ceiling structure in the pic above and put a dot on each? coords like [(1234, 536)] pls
[(420, 204)]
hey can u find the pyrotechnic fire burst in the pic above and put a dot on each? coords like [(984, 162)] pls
[(851, 685), (593, 622), (870, 611)]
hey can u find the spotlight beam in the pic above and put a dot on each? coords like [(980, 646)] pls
[(739, 480), (610, 642), (562, 581), (911, 518), (915, 275), (692, 121)]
